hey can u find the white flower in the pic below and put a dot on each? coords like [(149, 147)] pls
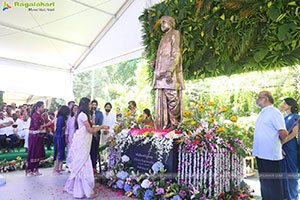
[(109, 174), (125, 159), (146, 184)]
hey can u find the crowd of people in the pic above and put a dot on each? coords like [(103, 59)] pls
[(83, 128), (80, 129), (14, 126)]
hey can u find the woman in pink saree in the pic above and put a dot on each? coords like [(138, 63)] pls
[(81, 181), (70, 132)]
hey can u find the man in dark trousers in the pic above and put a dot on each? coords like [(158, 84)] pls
[(97, 120), (270, 131)]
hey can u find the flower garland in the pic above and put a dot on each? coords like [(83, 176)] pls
[(20, 164), (154, 185), (157, 138)]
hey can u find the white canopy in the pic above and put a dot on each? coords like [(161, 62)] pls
[(41, 46)]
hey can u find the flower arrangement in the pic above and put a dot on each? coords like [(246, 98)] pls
[(154, 185), (207, 126), (208, 134), (161, 140), (7, 166), (132, 120), (20, 164)]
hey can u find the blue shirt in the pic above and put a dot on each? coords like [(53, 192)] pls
[(267, 144), (98, 118)]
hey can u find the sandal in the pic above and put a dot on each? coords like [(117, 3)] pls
[(93, 196)]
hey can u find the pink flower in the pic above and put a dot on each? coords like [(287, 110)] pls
[(160, 191), (207, 136)]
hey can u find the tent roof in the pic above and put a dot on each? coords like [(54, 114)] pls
[(77, 35)]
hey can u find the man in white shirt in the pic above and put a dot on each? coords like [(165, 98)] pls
[(6, 130), (269, 131), (23, 128), (109, 119), (13, 108)]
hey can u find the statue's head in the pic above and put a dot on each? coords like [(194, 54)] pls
[(167, 23)]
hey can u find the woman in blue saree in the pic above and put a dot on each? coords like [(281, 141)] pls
[(289, 165)]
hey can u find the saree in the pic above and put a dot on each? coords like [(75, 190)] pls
[(289, 166), (81, 181), (70, 130), (36, 150), (59, 139)]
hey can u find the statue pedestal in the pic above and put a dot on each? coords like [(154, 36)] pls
[(143, 156), (2, 180)]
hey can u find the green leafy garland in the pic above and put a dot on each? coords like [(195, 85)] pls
[(223, 37)]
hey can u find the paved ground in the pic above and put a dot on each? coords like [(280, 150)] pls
[(45, 187), (254, 184), (50, 187)]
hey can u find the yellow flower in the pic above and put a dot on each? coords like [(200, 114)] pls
[(201, 107), (128, 113), (198, 102), (140, 117), (224, 109), (185, 113), (211, 120), (211, 103), (193, 106), (238, 126), (117, 127), (233, 118), (129, 193), (193, 123), (202, 33), (146, 133), (167, 195), (188, 119), (220, 130)]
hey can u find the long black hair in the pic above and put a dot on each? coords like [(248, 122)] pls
[(72, 113), (36, 106), (293, 103), (83, 107), (147, 112), (64, 111)]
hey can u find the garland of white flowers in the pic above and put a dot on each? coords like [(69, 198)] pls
[(162, 145), (212, 170)]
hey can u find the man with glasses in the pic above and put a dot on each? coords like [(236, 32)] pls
[(269, 131)]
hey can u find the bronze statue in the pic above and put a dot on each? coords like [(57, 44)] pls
[(168, 77)]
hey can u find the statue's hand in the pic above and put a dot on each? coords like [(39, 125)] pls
[(169, 77)]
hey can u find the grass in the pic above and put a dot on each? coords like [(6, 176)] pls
[(14, 154)]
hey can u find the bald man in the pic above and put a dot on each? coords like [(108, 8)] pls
[(269, 131)]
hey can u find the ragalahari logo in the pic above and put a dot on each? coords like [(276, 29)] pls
[(6, 6)]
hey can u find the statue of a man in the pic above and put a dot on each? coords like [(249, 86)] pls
[(168, 77)]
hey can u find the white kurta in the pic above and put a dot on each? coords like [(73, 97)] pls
[(109, 120), (23, 130)]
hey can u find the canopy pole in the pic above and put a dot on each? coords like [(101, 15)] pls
[(92, 85)]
